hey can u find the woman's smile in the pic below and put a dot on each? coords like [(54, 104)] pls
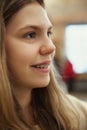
[(43, 67)]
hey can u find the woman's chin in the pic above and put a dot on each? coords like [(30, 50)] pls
[(42, 83)]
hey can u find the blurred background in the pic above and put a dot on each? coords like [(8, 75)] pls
[(69, 18)]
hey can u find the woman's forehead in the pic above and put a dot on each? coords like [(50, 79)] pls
[(31, 15)]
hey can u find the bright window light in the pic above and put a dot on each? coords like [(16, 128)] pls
[(76, 46)]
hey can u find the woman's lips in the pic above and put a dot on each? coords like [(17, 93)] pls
[(42, 67)]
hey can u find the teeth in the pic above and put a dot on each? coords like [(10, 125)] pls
[(42, 66)]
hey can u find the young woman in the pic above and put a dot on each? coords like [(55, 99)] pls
[(30, 97)]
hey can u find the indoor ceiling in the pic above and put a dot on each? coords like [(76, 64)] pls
[(67, 9)]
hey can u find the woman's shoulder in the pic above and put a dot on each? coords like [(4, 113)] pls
[(81, 107)]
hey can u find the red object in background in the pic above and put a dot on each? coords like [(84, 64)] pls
[(68, 75), (67, 71)]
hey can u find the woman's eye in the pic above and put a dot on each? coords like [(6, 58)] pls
[(49, 33), (30, 35)]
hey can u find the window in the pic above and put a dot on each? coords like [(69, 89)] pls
[(76, 46)]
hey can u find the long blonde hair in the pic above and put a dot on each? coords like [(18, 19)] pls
[(51, 108)]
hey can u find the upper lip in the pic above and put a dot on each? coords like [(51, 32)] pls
[(43, 63)]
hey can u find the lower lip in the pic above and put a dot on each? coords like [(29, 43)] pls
[(45, 70)]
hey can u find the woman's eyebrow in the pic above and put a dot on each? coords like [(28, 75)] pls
[(35, 27)]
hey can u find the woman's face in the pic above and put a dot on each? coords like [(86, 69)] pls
[(29, 48)]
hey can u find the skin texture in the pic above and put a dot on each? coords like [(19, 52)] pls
[(28, 43)]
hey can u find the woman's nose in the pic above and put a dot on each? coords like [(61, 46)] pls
[(47, 48)]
